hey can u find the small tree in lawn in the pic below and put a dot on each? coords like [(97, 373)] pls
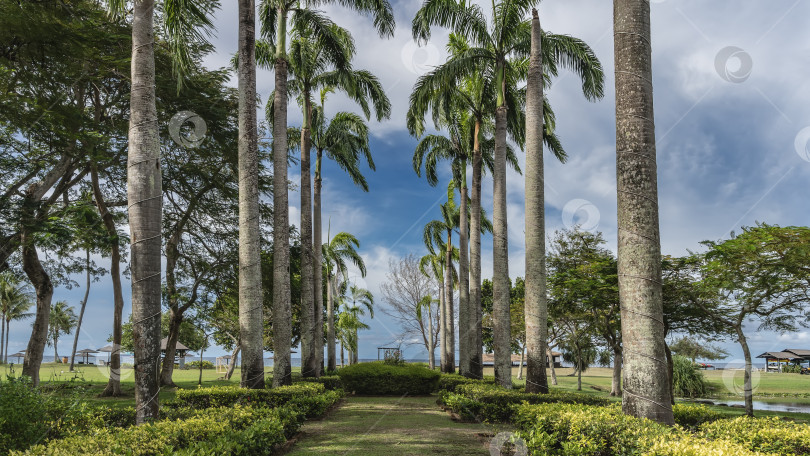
[(61, 322), (697, 349), (762, 275)]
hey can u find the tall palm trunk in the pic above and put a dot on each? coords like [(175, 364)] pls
[(144, 194), (113, 387), (317, 262), (309, 361), (330, 326), (2, 338), (355, 355), (442, 327), (81, 311), (431, 344), (476, 338), (536, 307), (282, 311), (250, 269), (639, 246), (502, 340), (55, 350), (449, 324), (465, 329)]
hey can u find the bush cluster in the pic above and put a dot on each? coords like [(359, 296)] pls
[(330, 380), (196, 364), (687, 378), (491, 403), (380, 379), (449, 382), (573, 429)]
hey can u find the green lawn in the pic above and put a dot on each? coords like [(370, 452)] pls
[(390, 426)]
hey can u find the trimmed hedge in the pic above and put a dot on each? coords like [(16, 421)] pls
[(449, 382), (235, 430), (224, 396), (492, 403), (379, 379), (330, 382), (572, 429), (691, 416), (768, 435)]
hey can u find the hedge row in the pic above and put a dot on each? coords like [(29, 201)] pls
[(492, 403), (449, 382), (223, 396), (573, 429), (380, 379)]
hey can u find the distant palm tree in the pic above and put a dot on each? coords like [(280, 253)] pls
[(357, 302), (426, 304), (15, 300), (432, 266), (337, 254), (62, 321), (499, 49), (314, 66), (274, 16)]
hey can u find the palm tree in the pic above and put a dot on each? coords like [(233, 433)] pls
[(337, 254), (432, 266), (316, 66), (348, 324), (15, 300), (647, 393), (427, 303), (62, 321), (274, 17), (499, 50), (187, 24), (360, 299)]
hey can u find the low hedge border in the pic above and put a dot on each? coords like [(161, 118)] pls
[(449, 382)]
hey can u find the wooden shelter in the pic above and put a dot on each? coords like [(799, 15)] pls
[(775, 360), (179, 352)]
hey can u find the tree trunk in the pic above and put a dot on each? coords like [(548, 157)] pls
[(330, 326), (450, 356), (81, 311), (671, 374), (250, 265), (553, 368), (355, 352), (2, 338), (536, 307), (639, 246), (175, 319), (502, 339), (144, 194), (748, 390), (44, 292), (317, 263), (465, 329), (476, 339), (616, 383), (520, 368), (431, 344), (309, 362), (442, 328), (341, 354), (232, 365), (282, 311), (55, 350), (113, 387)]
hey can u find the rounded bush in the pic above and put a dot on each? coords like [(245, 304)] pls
[(379, 379)]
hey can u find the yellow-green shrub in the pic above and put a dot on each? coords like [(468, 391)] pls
[(768, 435), (693, 415)]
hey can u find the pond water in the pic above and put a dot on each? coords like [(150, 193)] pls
[(771, 406)]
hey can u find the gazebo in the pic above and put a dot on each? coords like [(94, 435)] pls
[(179, 352), (85, 354), (17, 355), (779, 358)]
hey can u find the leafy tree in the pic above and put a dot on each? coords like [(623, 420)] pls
[(62, 321), (15, 300), (762, 274), (694, 349)]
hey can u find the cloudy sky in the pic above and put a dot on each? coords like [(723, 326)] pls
[(732, 127)]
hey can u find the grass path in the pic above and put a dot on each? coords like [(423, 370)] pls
[(391, 426)]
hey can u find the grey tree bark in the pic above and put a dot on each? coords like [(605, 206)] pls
[(536, 307), (646, 391), (309, 361), (330, 326), (748, 390), (250, 269), (144, 195), (81, 312), (465, 330), (551, 365), (442, 328), (317, 261), (113, 387), (501, 322), (449, 365), (476, 313), (616, 383), (282, 310)]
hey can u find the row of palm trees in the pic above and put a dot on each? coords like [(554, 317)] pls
[(478, 90), (476, 96)]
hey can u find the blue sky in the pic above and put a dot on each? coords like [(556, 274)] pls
[(731, 103)]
